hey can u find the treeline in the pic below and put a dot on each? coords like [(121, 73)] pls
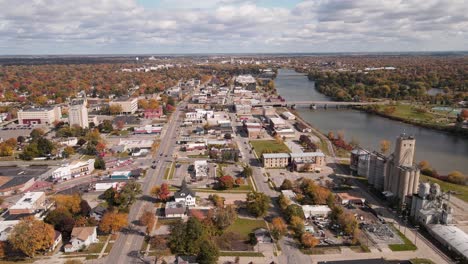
[(410, 81)]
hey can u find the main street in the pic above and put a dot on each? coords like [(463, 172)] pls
[(127, 247)]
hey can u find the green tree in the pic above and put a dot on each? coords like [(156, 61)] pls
[(128, 194), (283, 201), (224, 217), (294, 210), (208, 253), (247, 171), (258, 203), (99, 164), (186, 238)]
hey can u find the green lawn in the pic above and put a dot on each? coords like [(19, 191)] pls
[(268, 146), (406, 246), (409, 112), (244, 226), (461, 191)]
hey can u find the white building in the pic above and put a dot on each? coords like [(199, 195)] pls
[(288, 116), (129, 105), (74, 169), (78, 115), (81, 237), (5, 228), (70, 142), (29, 203), (35, 116), (186, 195), (201, 169), (452, 237), (316, 210)]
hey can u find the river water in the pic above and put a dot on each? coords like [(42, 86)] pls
[(445, 152)]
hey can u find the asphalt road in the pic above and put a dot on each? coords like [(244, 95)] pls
[(127, 247)]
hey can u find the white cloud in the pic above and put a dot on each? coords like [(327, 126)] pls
[(116, 26)]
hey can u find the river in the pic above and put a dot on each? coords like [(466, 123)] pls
[(445, 152)]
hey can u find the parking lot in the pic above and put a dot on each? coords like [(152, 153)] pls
[(33, 171)]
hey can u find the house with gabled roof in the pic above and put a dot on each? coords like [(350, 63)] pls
[(185, 194), (81, 237)]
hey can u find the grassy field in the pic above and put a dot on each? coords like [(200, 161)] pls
[(406, 246), (268, 146), (244, 226), (409, 112), (461, 191)]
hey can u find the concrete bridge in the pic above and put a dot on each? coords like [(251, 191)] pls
[(314, 104)]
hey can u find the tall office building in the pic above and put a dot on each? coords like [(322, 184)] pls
[(78, 114)]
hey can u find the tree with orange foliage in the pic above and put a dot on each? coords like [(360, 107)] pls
[(308, 240), (31, 235), (279, 227), (100, 147), (161, 192), (113, 221), (148, 219), (239, 181)]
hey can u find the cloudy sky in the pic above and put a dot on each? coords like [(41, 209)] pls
[(230, 26)]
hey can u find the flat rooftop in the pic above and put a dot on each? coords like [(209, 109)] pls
[(23, 171)]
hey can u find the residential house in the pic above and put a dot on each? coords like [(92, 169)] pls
[(57, 240), (81, 237), (175, 209), (185, 194)]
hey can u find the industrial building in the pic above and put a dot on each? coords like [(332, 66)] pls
[(402, 176), (430, 205), (395, 175)]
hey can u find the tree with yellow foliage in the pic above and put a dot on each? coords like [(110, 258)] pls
[(308, 240), (69, 202), (113, 221), (384, 146), (31, 235)]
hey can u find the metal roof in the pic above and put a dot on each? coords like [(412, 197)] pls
[(275, 155), (452, 236)]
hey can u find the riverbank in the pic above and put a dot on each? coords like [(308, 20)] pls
[(443, 150), (407, 114)]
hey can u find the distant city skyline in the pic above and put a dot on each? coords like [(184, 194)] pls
[(45, 27)]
